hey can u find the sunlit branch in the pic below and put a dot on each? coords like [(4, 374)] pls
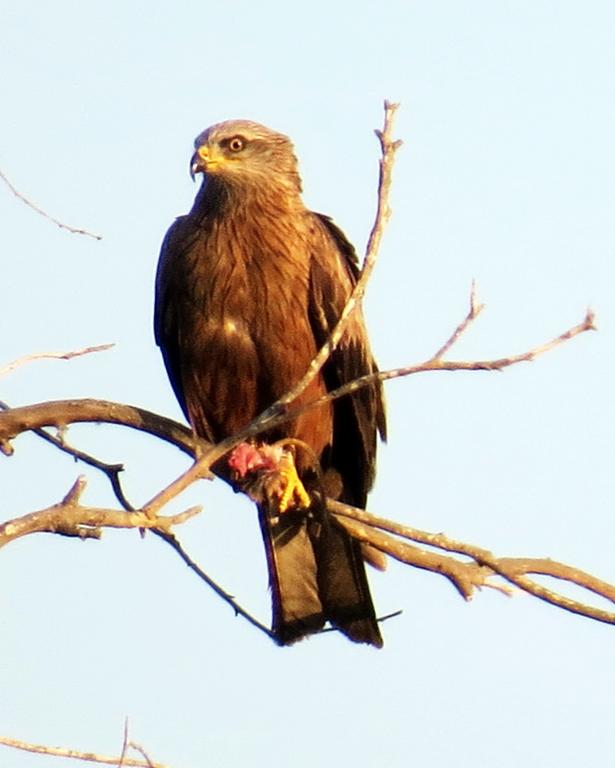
[(467, 576), (90, 757)]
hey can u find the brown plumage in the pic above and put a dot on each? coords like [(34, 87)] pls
[(250, 284)]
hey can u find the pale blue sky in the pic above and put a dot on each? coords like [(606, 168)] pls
[(507, 175)]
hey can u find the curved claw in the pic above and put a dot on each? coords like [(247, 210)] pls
[(284, 486)]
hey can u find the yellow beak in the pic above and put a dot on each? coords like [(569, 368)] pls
[(202, 161)]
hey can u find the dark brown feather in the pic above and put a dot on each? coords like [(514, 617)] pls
[(249, 286)]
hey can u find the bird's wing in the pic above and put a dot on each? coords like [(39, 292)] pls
[(357, 417), (170, 299)]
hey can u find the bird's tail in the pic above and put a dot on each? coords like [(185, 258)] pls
[(316, 574), (343, 586)]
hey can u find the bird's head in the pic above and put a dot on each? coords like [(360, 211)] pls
[(241, 153)]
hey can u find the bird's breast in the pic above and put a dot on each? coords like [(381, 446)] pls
[(246, 330)]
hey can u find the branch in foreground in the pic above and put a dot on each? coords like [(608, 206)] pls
[(69, 518), (435, 363), (465, 576), (388, 147), (57, 222), (62, 413), (91, 757)]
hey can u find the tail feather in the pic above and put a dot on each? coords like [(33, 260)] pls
[(296, 607), (316, 574), (343, 587)]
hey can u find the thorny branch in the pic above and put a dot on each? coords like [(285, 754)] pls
[(57, 222), (478, 566)]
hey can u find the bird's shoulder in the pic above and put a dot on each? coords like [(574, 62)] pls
[(181, 239), (338, 245)]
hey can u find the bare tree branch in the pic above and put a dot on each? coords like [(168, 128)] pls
[(25, 359), (138, 748), (474, 311), (61, 413), (125, 743), (435, 363), (383, 212), (69, 518), (90, 757), (222, 593), (57, 222), (467, 576)]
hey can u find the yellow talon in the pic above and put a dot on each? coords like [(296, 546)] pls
[(290, 490)]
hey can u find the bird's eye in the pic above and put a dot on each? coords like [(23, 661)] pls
[(236, 144)]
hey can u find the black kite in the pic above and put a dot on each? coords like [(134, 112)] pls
[(249, 286)]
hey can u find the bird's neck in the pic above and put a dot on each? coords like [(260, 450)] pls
[(221, 199)]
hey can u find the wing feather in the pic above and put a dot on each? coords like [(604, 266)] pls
[(360, 416)]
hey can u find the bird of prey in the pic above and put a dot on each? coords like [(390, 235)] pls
[(250, 284)]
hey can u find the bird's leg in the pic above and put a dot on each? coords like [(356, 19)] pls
[(284, 487)]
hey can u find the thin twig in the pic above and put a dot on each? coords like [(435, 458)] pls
[(437, 364), (124, 744), (25, 359), (475, 309), (383, 212), (141, 750), (112, 471), (57, 222), (170, 539), (70, 518), (91, 757)]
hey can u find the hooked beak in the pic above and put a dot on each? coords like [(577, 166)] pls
[(196, 165), (202, 161)]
